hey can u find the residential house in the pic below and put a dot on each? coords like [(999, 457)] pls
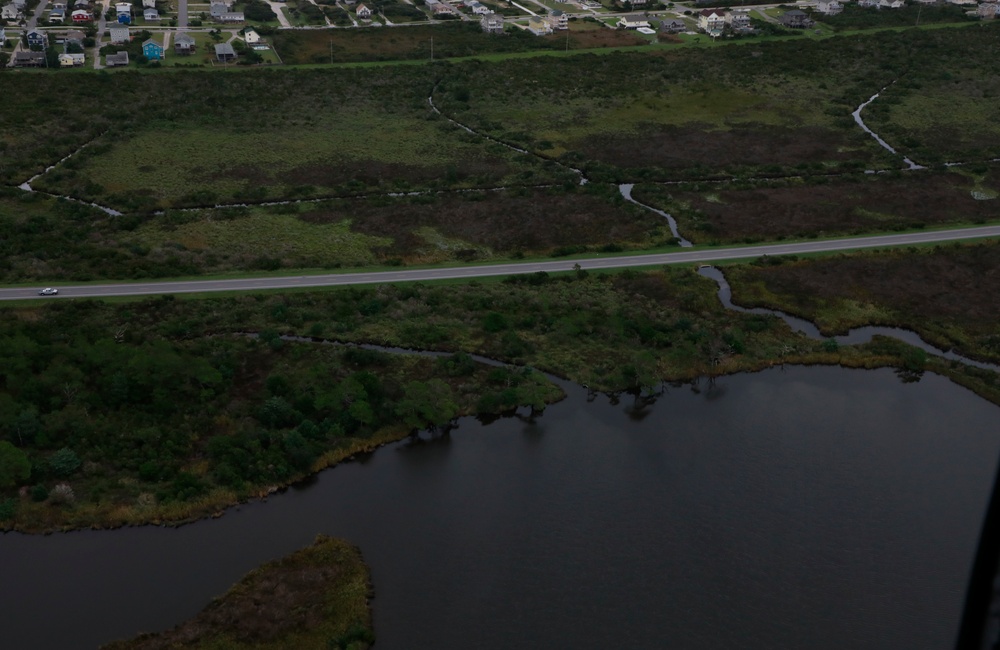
[(625, 23), (117, 60), (224, 52), (738, 19), (558, 20), (539, 26), (118, 34), (20, 4), (151, 15), (829, 7), (712, 21), (251, 37), (10, 12), (891, 4), (184, 44), (492, 23), (868, 3), (56, 16), (673, 26), (152, 50), (795, 19), (986, 11), (67, 60), (81, 16), (478, 8), (124, 19), (637, 4), (37, 39), (24, 59), (74, 37), (441, 9), (123, 8), (233, 17), (81, 4), (363, 12), (149, 4)]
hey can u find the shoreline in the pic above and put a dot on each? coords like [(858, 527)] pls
[(217, 503)]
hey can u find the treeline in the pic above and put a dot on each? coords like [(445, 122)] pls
[(99, 410)]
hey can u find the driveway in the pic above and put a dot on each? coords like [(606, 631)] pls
[(282, 18)]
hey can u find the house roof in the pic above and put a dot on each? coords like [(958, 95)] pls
[(709, 12), (794, 13), (150, 41), (224, 49), (183, 38), (28, 56), (118, 57)]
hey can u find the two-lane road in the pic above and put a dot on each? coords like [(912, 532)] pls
[(470, 272)]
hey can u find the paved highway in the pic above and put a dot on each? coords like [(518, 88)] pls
[(469, 272)]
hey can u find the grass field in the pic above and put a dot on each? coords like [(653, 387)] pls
[(946, 115), (345, 151)]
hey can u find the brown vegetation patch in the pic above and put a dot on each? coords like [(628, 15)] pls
[(501, 221), (873, 204), (693, 145)]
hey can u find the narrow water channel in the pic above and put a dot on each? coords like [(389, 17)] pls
[(856, 336), (807, 508)]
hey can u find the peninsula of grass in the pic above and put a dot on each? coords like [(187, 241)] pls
[(317, 597)]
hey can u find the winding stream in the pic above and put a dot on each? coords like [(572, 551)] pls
[(855, 336), (579, 172), (626, 191), (911, 166)]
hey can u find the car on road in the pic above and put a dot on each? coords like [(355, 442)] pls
[(48, 291)]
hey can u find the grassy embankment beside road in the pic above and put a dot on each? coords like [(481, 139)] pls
[(317, 597)]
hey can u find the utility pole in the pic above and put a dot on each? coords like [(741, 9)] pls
[(432, 48)]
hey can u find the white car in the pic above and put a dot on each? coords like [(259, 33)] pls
[(48, 291)]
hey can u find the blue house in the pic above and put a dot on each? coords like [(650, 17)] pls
[(37, 39), (124, 19), (152, 50)]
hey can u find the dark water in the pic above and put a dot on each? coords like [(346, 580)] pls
[(808, 508)]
